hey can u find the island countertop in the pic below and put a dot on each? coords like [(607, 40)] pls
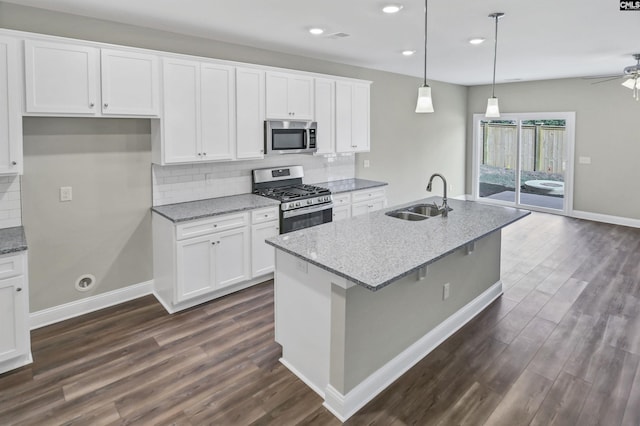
[(375, 250)]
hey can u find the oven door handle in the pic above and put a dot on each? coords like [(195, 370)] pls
[(306, 210)]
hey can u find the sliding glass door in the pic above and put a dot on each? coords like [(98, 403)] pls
[(524, 160)]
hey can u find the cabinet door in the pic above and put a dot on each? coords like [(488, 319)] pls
[(325, 115), (249, 113), (195, 273), (231, 256), (360, 117), (358, 209), (217, 111), (13, 317), (277, 96), (61, 78), (181, 111), (344, 109), (341, 212), (300, 97), (10, 108), (262, 254), (129, 83)]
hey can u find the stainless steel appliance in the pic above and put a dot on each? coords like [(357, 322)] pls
[(301, 205), (290, 137)]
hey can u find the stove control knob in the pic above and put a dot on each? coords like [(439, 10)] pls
[(309, 201), (297, 203)]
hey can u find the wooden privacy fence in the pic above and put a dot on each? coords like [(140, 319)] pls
[(543, 147)]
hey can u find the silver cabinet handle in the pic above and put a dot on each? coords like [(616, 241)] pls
[(14, 163), (91, 105), (204, 154), (106, 105), (19, 289)]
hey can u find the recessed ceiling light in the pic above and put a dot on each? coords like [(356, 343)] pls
[(477, 40), (392, 8), (408, 52), (316, 31)]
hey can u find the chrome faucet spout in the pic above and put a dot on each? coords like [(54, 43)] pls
[(445, 207)]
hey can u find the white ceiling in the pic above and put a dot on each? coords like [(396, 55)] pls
[(540, 39)]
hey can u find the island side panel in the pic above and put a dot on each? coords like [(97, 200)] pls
[(302, 295), (380, 325)]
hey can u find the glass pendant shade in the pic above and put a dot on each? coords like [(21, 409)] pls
[(424, 104), (493, 110), (631, 83)]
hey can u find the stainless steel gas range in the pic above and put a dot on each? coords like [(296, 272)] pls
[(301, 205)]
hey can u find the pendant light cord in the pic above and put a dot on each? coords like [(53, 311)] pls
[(425, 44), (495, 58)]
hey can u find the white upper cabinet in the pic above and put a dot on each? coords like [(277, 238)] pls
[(218, 111), (325, 107), (289, 96), (129, 83), (61, 78), (180, 133), (352, 116), (65, 78), (10, 108), (198, 113), (249, 113)]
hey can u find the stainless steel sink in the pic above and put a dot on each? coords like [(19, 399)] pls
[(417, 212), (426, 209), (406, 215)]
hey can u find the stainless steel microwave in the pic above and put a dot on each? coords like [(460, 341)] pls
[(290, 137)]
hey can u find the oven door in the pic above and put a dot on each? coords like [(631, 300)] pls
[(305, 217)]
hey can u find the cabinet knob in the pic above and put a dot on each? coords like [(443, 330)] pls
[(217, 242), (213, 243), (262, 151), (19, 289), (106, 105), (204, 154), (91, 105), (14, 163)]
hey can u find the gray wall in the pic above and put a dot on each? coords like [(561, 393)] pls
[(405, 147), (106, 229), (607, 130)]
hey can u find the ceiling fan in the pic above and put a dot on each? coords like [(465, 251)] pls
[(632, 75)]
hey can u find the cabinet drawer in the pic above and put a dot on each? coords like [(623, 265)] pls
[(264, 215), (11, 266), (341, 199), (207, 226), (367, 194)]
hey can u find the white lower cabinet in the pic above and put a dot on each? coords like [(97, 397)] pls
[(355, 203), (15, 341), (204, 259)]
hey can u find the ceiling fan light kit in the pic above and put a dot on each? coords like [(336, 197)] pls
[(493, 111), (425, 103), (633, 82)]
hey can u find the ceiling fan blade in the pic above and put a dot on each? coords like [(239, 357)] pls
[(608, 79), (596, 77)]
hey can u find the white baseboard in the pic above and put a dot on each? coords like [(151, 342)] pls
[(344, 406), (615, 220), (302, 377), (84, 306)]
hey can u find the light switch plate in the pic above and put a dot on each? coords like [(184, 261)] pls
[(584, 160)]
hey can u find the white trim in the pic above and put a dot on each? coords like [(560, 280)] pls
[(615, 220), (344, 406), (90, 304)]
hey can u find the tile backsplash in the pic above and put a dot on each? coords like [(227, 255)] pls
[(190, 182), (10, 203)]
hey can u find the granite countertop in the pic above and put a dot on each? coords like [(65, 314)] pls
[(374, 250), (348, 185), (12, 240), (191, 210)]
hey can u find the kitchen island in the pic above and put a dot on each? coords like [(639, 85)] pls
[(360, 301)]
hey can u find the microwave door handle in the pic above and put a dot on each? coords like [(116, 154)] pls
[(305, 143)]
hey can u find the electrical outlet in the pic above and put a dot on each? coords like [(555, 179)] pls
[(366, 164), (66, 193), (445, 291), (584, 160)]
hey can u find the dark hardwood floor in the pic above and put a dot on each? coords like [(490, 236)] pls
[(561, 347)]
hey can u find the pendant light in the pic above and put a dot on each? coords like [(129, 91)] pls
[(424, 104), (493, 110)]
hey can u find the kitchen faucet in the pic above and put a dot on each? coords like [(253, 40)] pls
[(445, 207)]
